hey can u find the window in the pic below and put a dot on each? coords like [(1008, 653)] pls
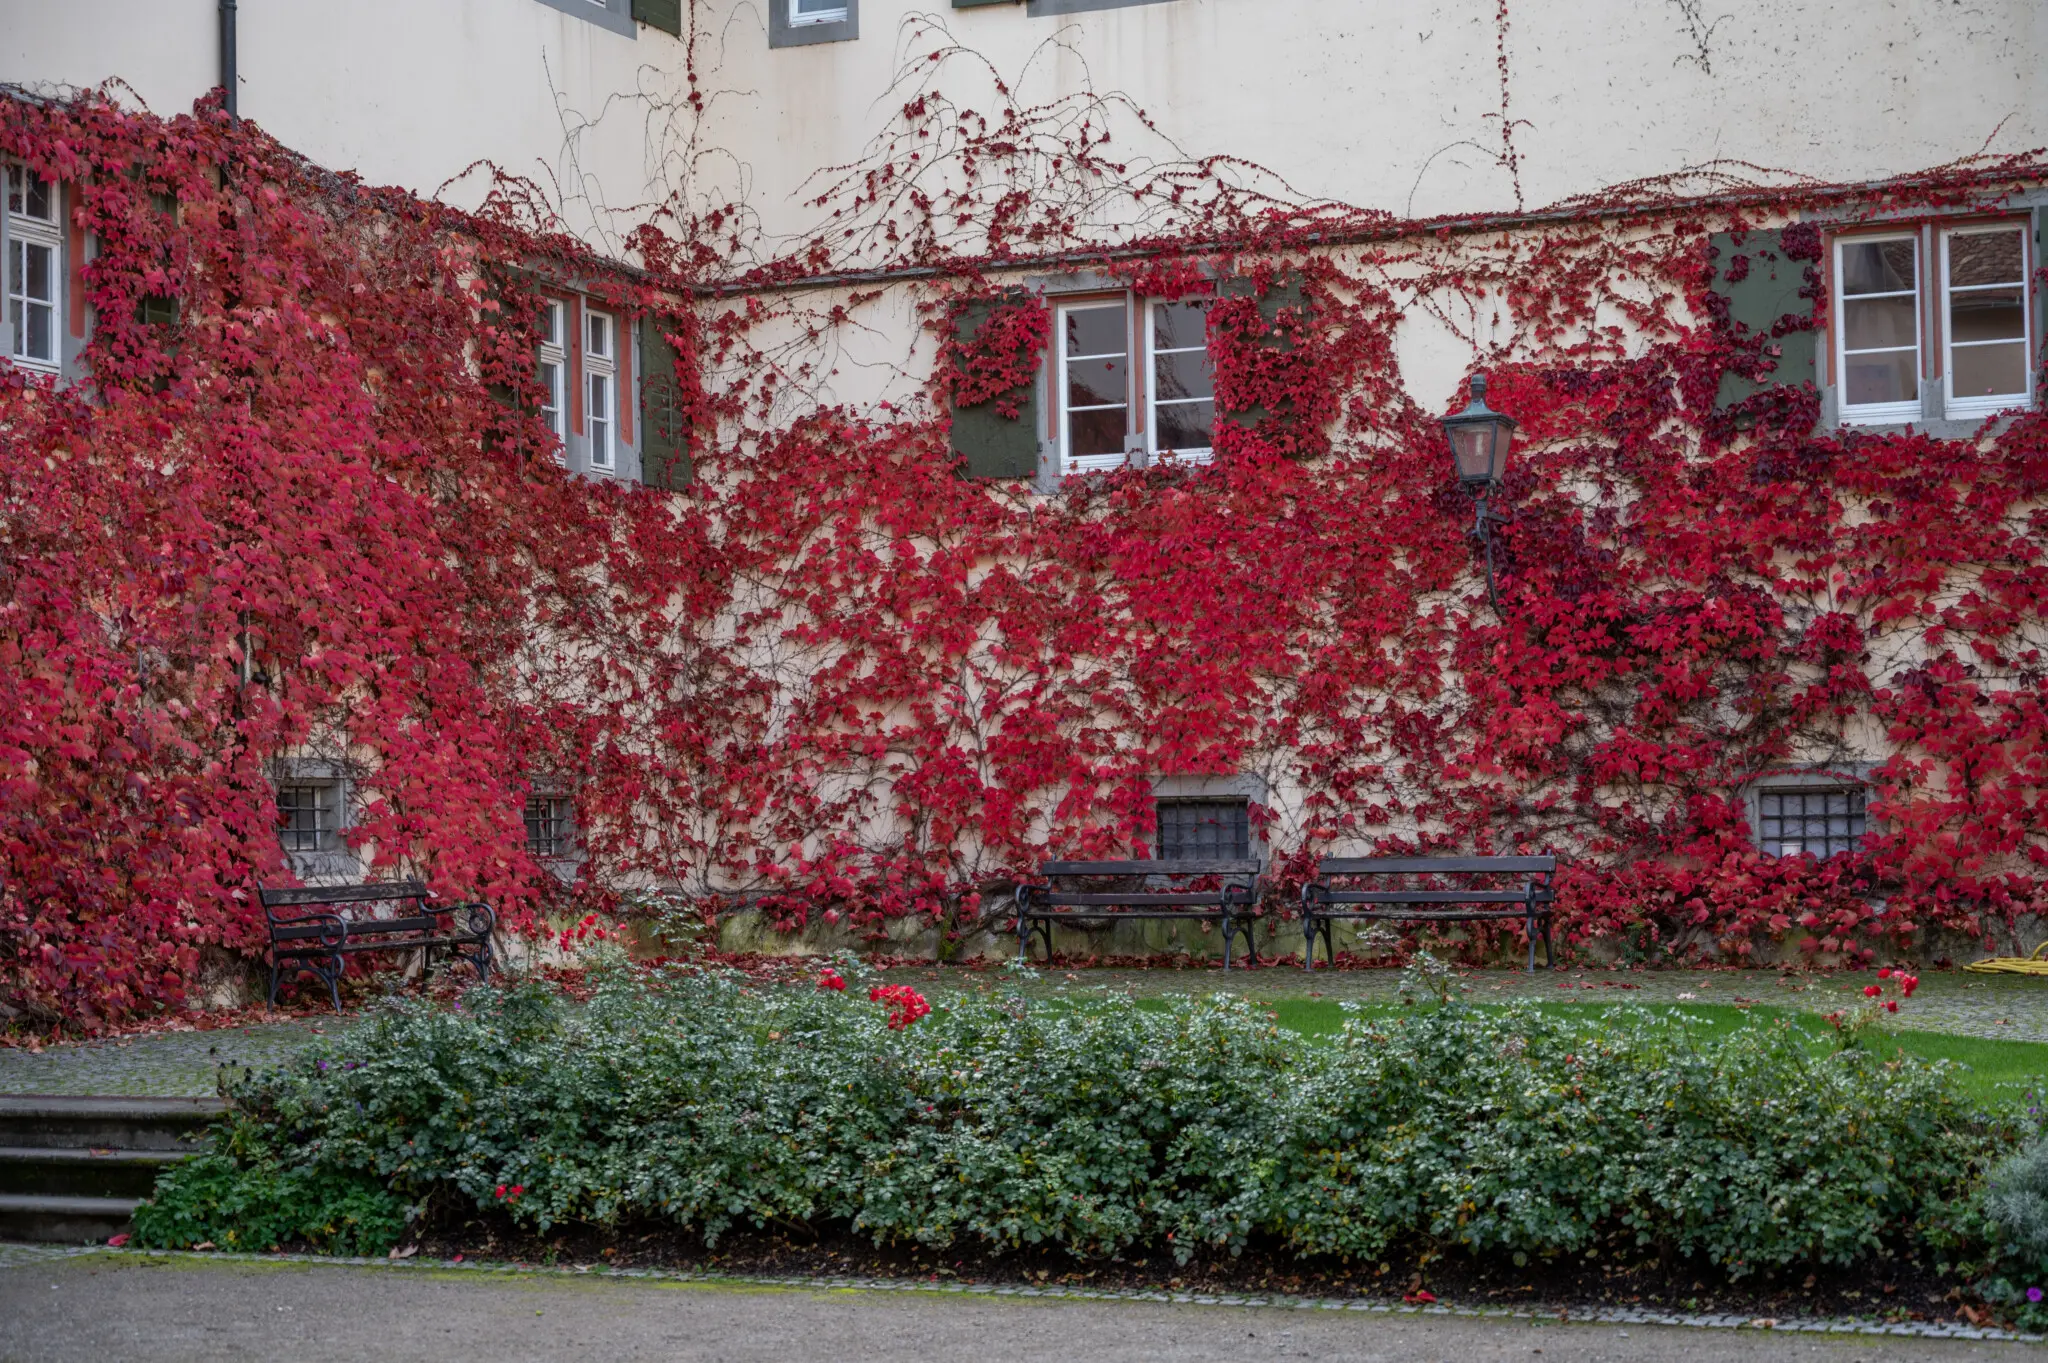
[(1107, 408), (554, 369), (34, 268), (600, 377), (1820, 820), (793, 23), (1877, 341), (1095, 385), (309, 816), (550, 826), (1204, 829), (1182, 386), (1984, 319), (1931, 302), (616, 15)]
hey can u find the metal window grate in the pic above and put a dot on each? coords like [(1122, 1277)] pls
[(1204, 828), (549, 828), (305, 819), (1822, 820)]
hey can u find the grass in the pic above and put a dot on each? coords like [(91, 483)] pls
[(1992, 1072)]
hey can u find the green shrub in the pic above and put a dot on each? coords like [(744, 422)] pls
[(254, 1204), (2015, 1213), (709, 1102)]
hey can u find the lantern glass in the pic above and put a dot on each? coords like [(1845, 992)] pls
[(1479, 438)]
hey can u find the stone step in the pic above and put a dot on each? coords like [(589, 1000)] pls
[(63, 1220), (51, 1172), (66, 1121)]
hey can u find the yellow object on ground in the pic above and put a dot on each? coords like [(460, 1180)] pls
[(2036, 964)]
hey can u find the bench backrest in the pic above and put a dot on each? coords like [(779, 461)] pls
[(382, 891), (1394, 866), (1191, 867)]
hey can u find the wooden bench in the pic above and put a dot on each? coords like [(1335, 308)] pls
[(318, 929), (1141, 889), (1322, 903)]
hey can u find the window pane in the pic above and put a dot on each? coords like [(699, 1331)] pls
[(1184, 375), (600, 336), (40, 342), (1877, 266), (1097, 331), (1985, 258), (1091, 383), (39, 197), (1184, 426), (554, 324), (819, 9), (1884, 376), (1988, 315), (1989, 370), (1180, 326), (1096, 432), (1873, 323)]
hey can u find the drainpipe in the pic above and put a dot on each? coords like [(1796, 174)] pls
[(227, 56)]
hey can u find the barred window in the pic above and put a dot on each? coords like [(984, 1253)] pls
[(550, 827), (1195, 829), (1822, 820), (307, 816)]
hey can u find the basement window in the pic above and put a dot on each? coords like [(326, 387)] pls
[(794, 23), (550, 827), (1819, 820), (309, 816), (1204, 829)]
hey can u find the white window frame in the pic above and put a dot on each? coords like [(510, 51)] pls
[(1071, 463), (553, 353), (1152, 353), (1969, 407), (601, 420), (23, 232), (1879, 413), (838, 14)]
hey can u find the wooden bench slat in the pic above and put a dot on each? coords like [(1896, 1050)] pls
[(1362, 866), (1135, 899), (344, 894), (1430, 896)]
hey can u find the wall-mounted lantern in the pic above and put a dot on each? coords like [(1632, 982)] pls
[(1479, 438)]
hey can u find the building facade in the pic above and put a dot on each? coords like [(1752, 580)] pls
[(936, 438)]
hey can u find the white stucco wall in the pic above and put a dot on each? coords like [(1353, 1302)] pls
[(1391, 104)]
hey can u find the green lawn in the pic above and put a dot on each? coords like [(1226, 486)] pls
[(1993, 1071)]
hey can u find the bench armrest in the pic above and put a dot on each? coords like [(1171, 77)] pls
[(479, 917)]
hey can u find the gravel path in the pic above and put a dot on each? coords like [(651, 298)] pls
[(96, 1307)]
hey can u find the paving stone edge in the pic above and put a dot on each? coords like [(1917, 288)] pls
[(14, 1255)]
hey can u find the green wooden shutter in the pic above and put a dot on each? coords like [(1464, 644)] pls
[(1284, 295), (666, 15), (994, 445), (2040, 303), (1762, 281), (664, 434)]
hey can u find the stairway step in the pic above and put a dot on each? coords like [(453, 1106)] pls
[(54, 1172), (77, 1121), (68, 1220)]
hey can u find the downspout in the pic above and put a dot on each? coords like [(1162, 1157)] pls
[(227, 57)]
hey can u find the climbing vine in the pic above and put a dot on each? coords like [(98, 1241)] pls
[(319, 513)]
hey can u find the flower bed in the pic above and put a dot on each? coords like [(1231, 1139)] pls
[(998, 1123)]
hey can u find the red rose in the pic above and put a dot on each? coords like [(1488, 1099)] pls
[(1871, 991), (1885, 973), (1891, 1005)]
